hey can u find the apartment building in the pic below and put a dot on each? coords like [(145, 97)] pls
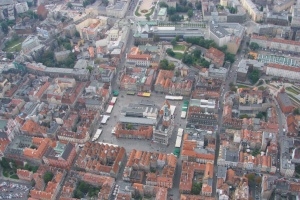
[(193, 152), (187, 176), (118, 9), (276, 43), (229, 34), (250, 96), (282, 5), (111, 159), (134, 56), (283, 71), (166, 82), (21, 7), (252, 10), (140, 164)]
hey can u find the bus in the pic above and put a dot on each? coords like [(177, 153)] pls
[(172, 108), (183, 114), (104, 119), (113, 101), (97, 135), (180, 132), (174, 98), (178, 142), (109, 109)]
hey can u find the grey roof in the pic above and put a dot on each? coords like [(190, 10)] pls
[(135, 120), (67, 151), (285, 99), (222, 171), (231, 155)]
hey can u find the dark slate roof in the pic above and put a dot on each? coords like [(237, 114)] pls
[(67, 151)]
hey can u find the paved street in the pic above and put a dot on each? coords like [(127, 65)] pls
[(231, 77)]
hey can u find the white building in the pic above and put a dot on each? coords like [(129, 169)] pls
[(252, 10), (21, 7), (283, 71), (276, 43), (30, 43), (230, 34), (118, 9)]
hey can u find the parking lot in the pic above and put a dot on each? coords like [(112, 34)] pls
[(13, 190), (145, 145)]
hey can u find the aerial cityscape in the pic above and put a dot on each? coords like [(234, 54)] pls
[(150, 99)]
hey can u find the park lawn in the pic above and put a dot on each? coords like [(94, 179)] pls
[(179, 48), (14, 46), (292, 90), (178, 56)]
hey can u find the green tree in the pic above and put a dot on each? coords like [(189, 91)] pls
[(4, 27), (187, 59), (296, 111), (105, 2), (171, 10), (198, 5), (290, 18), (170, 52), (10, 56), (254, 76), (197, 53), (148, 18), (69, 5), (229, 57), (156, 38), (89, 68), (173, 42), (163, 5), (77, 34), (255, 152), (253, 46), (251, 178), (129, 126), (48, 176), (196, 188), (190, 13)]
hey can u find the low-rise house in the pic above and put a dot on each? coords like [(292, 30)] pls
[(24, 174), (215, 56), (192, 151), (140, 164)]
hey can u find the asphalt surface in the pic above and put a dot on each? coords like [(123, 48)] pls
[(231, 78), (14, 190)]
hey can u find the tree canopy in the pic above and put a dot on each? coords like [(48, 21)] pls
[(253, 46), (196, 188), (164, 64), (254, 76), (48, 176)]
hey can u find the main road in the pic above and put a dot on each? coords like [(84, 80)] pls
[(231, 77)]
